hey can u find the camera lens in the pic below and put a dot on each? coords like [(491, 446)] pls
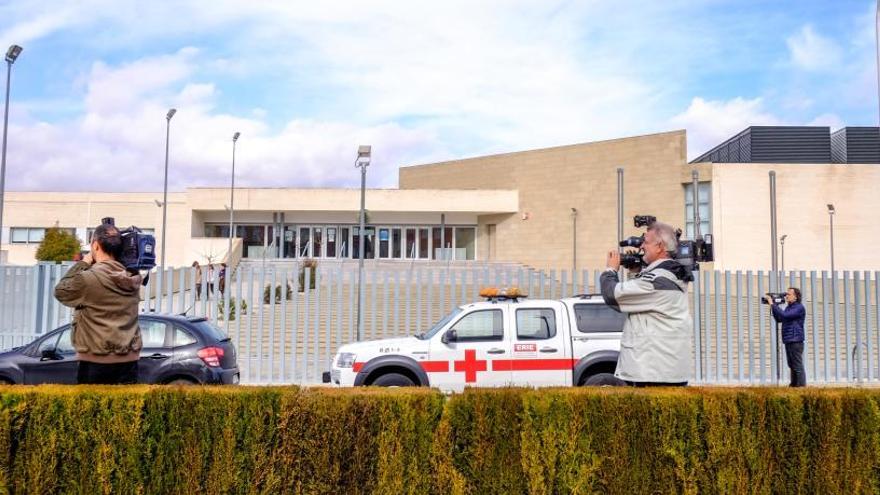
[(634, 242)]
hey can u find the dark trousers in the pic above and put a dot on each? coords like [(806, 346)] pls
[(794, 353), (107, 374)]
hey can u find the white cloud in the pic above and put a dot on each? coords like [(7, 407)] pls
[(119, 143), (828, 119), (710, 122), (811, 51)]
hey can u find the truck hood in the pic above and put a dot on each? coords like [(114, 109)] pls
[(401, 345)]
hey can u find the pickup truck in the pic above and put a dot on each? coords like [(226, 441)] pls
[(506, 340)]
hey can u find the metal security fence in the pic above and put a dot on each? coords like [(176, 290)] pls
[(287, 321)]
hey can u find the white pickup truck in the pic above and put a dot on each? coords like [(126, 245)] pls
[(506, 340)]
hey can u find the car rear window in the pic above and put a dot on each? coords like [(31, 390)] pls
[(598, 318), (209, 330)]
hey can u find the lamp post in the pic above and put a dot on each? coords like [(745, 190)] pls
[(362, 162), (11, 54), (831, 231), (574, 242), (782, 249), (165, 190), (232, 198)]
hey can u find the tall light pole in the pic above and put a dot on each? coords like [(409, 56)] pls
[(11, 55), (165, 190), (574, 242), (782, 248), (232, 198), (362, 162), (831, 220)]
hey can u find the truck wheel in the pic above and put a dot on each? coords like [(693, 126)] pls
[(604, 380), (393, 380)]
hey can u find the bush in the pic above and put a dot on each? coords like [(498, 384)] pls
[(57, 245), (232, 308), (267, 293), (313, 266), (289, 440)]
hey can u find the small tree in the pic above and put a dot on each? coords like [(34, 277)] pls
[(58, 245)]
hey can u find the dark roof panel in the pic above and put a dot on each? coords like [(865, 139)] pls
[(856, 145), (773, 144)]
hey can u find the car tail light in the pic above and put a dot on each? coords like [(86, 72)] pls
[(211, 355)]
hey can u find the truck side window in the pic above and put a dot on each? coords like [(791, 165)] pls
[(535, 324), (480, 326), (598, 318)]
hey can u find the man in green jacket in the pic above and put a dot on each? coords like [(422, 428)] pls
[(105, 330)]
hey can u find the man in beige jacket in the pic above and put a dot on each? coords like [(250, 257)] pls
[(105, 330)]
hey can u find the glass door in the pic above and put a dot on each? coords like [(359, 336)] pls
[(331, 242), (424, 243), (384, 243), (410, 245), (396, 243), (317, 242), (289, 243)]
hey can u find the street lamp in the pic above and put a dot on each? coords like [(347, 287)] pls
[(362, 162), (574, 242), (831, 219), (11, 55), (165, 190), (782, 246), (232, 197)]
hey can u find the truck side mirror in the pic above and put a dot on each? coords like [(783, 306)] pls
[(449, 336)]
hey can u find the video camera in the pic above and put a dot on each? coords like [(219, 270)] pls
[(689, 253), (776, 297), (138, 248)]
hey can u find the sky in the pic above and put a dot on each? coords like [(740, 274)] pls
[(306, 82)]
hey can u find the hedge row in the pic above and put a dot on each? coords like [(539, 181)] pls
[(291, 440)]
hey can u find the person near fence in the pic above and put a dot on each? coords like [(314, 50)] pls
[(210, 280), (222, 276), (104, 330), (792, 318), (656, 346), (198, 280)]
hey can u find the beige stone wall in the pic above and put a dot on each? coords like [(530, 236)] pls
[(552, 181), (741, 215)]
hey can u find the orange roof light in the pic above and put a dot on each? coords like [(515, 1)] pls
[(505, 292)]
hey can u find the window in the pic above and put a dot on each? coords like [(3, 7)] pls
[(705, 218), (48, 344), (598, 318), (27, 235), (182, 337), (65, 346), (465, 243), (481, 325), (535, 324), (152, 333)]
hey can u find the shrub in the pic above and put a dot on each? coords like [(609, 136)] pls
[(140, 439), (232, 308), (57, 245), (313, 266), (267, 294)]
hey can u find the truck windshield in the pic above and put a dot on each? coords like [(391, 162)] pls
[(440, 324)]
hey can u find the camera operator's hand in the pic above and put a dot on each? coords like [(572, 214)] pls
[(613, 260), (768, 299), (88, 258)]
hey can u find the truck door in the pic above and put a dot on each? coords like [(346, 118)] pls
[(481, 339), (541, 349)]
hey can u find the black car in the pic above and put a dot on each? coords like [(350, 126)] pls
[(176, 350)]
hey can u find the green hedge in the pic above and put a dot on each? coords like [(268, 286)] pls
[(291, 440)]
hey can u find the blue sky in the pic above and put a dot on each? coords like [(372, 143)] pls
[(306, 82)]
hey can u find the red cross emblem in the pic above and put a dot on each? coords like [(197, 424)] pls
[(470, 366)]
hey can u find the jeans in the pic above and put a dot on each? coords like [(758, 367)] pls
[(794, 353), (107, 374)]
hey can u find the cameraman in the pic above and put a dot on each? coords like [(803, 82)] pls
[(792, 319), (105, 330), (655, 349)]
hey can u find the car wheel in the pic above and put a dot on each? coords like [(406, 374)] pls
[(393, 380), (182, 382), (604, 380)]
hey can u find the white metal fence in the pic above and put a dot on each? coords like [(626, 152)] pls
[(286, 331)]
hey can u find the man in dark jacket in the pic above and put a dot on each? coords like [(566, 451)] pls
[(792, 319), (105, 330)]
